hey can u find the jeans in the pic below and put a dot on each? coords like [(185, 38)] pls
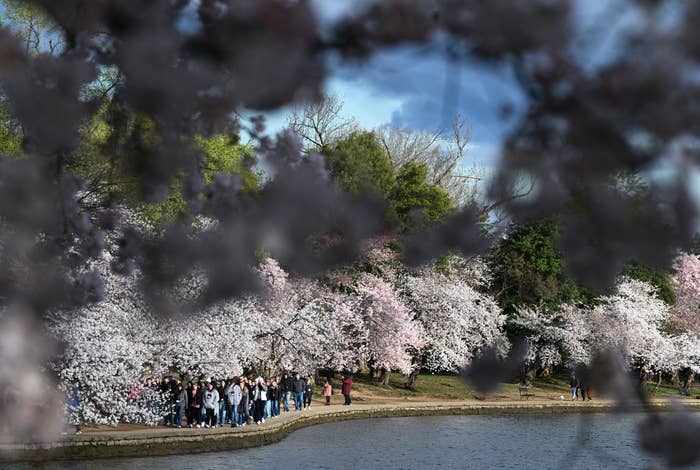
[(573, 392), (233, 413), (222, 412), (286, 400), (268, 409), (348, 400), (298, 401), (275, 407), (179, 412), (243, 411)]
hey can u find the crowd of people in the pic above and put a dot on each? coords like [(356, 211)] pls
[(239, 401)]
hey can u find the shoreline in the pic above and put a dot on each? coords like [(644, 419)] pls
[(160, 441)]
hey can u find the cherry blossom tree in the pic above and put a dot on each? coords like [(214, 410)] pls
[(107, 349), (390, 324), (303, 325), (457, 319), (553, 339), (630, 321), (218, 341), (686, 284)]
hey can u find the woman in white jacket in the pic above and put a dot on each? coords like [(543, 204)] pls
[(260, 397)]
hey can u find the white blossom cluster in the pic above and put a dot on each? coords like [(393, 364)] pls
[(632, 321)]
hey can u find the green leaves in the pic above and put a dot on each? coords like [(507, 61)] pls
[(358, 163), (416, 202)]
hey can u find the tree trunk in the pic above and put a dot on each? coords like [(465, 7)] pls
[(546, 372), (687, 378), (386, 375), (527, 374), (676, 379), (413, 376), (362, 366)]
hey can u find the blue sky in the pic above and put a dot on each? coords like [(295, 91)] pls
[(420, 88)]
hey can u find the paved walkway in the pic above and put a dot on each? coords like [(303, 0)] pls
[(316, 411), (132, 440)]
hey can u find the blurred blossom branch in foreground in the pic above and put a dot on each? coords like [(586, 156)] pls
[(110, 117)]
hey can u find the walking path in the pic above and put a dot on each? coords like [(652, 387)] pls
[(132, 440)]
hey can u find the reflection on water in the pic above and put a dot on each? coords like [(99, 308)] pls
[(478, 442)]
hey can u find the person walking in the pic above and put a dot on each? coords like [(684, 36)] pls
[(168, 408), (251, 384), (267, 413), (180, 405), (210, 402), (327, 391), (298, 387), (347, 389), (573, 383), (273, 392), (223, 406), (74, 407), (308, 391), (234, 401), (202, 411), (194, 400), (286, 390), (245, 398), (259, 398)]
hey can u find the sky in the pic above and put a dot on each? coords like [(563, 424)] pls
[(419, 88)]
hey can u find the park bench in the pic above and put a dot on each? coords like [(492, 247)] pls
[(525, 393)]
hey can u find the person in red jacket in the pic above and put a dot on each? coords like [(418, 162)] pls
[(347, 388)]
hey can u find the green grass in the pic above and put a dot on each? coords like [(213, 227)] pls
[(451, 387), (440, 387)]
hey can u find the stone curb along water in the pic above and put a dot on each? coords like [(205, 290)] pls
[(169, 441)]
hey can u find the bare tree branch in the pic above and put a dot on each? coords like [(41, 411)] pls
[(320, 123)]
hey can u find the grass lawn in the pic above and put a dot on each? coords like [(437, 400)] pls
[(451, 387)]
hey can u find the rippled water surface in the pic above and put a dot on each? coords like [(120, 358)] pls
[(478, 442)]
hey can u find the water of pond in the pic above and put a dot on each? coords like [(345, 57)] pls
[(478, 442)]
